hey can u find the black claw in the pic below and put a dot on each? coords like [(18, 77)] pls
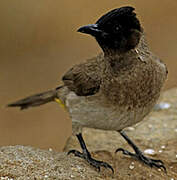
[(126, 152), (155, 163), (76, 153), (139, 155), (157, 160), (120, 149), (87, 156), (106, 165), (164, 168), (71, 152), (93, 162), (148, 161)]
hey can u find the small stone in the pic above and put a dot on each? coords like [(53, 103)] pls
[(50, 149), (160, 151), (132, 165), (149, 151), (163, 147), (161, 106), (131, 128), (150, 126)]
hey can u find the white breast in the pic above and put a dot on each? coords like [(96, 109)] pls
[(93, 112)]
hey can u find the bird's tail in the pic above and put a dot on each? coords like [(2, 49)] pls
[(37, 99)]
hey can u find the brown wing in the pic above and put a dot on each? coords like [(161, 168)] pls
[(84, 79)]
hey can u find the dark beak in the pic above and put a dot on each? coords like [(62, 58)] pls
[(91, 29)]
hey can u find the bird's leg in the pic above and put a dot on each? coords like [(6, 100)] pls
[(139, 155), (87, 156)]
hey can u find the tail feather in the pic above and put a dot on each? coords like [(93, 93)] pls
[(36, 100)]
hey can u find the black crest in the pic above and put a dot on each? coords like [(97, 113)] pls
[(124, 15), (118, 29)]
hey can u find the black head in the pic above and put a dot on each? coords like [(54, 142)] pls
[(118, 29)]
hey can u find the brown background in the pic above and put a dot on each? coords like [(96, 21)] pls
[(39, 42)]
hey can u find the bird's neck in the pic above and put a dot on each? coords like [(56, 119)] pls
[(112, 52), (115, 54)]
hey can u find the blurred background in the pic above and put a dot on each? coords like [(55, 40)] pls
[(39, 43)]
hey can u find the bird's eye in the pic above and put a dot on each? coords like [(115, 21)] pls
[(117, 28)]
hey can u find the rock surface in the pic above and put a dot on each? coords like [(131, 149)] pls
[(157, 135)]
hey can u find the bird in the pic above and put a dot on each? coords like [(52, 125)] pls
[(112, 91)]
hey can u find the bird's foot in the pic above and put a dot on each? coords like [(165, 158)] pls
[(87, 156), (146, 160), (93, 162), (139, 155)]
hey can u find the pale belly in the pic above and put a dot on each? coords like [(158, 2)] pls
[(92, 112)]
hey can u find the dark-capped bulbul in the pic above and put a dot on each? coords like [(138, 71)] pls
[(113, 90)]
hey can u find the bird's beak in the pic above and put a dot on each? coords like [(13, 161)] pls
[(91, 29)]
